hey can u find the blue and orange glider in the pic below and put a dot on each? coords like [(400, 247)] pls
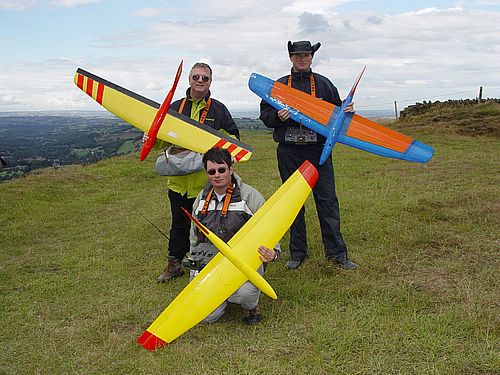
[(338, 126)]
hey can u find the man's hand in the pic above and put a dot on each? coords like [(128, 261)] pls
[(266, 255), (145, 137), (349, 108), (283, 114)]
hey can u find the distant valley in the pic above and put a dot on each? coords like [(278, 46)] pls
[(33, 140)]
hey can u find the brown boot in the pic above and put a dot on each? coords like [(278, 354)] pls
[(252, 316), (172, 270)]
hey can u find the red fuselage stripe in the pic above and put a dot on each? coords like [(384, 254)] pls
[(100, 92), (240, 155), (90, 84), (221, 143), (79, 82), (232, 147)]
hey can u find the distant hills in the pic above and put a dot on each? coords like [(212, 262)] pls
[(33, 140)]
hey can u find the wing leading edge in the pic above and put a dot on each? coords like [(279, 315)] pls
[(140, 111), (221, 278), (356, 131)]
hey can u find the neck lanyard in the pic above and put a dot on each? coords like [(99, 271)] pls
[(203, 113), (227, 200), (311, 80)]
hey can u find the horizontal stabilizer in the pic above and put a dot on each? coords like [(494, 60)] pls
[(252, 275)]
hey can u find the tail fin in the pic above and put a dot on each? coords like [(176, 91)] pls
[(160, 116)]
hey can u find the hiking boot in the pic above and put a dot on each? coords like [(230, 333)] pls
[(344, 263), (252, 316), (172, 270), (293, 264)]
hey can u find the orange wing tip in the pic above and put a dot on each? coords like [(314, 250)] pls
[(150, 341), (309, 172)]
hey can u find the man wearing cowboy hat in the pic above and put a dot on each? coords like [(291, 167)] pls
[(297, 144)]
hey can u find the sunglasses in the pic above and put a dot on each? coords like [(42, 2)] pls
[(196, 77), (221, 170)]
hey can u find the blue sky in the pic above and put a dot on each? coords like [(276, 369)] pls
[(413, 50)]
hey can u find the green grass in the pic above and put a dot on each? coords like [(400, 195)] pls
[(126, 147), (478, 119), (78, 267)]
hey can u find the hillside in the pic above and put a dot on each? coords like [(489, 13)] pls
[(455, 116), (78, 266), (34, 140)]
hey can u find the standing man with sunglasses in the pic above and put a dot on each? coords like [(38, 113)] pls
[(224, 206), (297, 144), (182, 190)]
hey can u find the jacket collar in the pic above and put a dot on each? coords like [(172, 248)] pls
[(301, 74)]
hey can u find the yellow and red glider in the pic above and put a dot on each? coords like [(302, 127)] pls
[(140, 112), (236, 262)]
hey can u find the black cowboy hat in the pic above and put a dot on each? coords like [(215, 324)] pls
[(303, 46)]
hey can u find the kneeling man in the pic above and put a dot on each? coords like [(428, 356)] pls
[(224, 206)]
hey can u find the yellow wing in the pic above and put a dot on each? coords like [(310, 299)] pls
[(220, 278), (140, 112)]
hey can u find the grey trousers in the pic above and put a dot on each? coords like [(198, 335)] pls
[(247, 296)]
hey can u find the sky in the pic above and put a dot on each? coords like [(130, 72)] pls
[(413, 50)]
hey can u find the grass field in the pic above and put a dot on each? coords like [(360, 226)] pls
[(78, 266)]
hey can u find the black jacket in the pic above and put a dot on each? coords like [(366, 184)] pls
[(325, 90), (218, 116)]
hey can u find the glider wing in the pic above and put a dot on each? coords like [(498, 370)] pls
[(140, 112), (355, 131), (221, 277)]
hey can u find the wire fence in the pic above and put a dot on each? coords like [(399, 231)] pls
[(444, 96)]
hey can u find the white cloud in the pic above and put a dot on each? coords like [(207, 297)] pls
[(415, 54), (17, 5), (72, 3), (317, 7), (20, 5), (8, 100)]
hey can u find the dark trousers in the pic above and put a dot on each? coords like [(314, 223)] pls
[(178, 244), (290, 158)]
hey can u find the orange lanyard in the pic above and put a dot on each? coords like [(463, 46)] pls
[(311, 80), (227, 200), (203, 113)]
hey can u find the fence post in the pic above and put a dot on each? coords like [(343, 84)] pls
[(396, 110)]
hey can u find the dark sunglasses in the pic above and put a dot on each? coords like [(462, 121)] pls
[(196, 77), (221, 170)]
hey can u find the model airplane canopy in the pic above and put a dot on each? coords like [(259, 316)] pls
[(331, 122), (140, 112), (222, 276)]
